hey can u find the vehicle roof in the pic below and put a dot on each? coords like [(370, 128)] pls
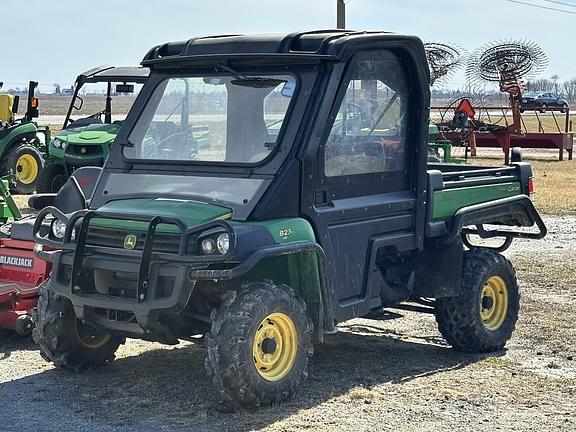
[(540, 92), (302, 47), (110, 73)]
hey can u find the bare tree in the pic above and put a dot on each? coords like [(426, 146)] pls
[(570, 89), (555, 79)]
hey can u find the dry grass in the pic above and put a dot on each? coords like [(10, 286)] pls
[(555, 186), (548, 122)]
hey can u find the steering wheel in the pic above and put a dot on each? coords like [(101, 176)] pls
[(166, 146), (361, 113), (97, 115)]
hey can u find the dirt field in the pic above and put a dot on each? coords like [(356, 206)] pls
[(374, 375)]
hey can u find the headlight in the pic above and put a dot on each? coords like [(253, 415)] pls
[(223, 243), (58, 143), (208, 246), (58, 228)]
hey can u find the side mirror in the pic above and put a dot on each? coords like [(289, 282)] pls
[(78, 102)]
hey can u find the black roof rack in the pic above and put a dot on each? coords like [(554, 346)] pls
[(307, 46)]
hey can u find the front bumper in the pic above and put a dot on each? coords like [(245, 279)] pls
[(153, 282), (72, 162)]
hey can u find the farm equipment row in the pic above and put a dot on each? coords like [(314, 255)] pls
[(315, 203), (41, 163)]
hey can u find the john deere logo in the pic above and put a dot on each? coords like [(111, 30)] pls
[(130, 241)]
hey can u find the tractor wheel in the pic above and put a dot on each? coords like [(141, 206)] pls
[(482, 318), (25, 162), (66, 341), (24, 325), (259, 345), (51, 179)]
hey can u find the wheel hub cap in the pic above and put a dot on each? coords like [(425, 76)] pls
[(26, 169), (90, 337), (494, 303), (275, 346)]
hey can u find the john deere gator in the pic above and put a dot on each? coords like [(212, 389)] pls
[(314, 204)]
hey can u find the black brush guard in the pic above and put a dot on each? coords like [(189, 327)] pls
[(76, 252)]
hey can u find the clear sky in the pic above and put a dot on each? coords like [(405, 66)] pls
[(51, 41)]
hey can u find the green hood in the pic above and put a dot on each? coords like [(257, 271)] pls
[(193, 213), (95, 134)]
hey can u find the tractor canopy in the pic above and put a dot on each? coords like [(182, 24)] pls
[(101, 100)]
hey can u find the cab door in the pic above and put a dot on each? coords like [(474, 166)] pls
[(359, 182)]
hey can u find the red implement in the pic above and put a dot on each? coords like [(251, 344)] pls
[(21, 273)]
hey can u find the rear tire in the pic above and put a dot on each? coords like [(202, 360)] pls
[(66, 341), (259, 345), (51, 179), (482, 318), (25, 163)]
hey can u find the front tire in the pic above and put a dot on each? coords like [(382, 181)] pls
[(51, 179), (66, 341), (259, 345), (483, 317), (25, 162)]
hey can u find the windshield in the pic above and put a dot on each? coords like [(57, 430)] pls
[(233, 119), (90, 103)]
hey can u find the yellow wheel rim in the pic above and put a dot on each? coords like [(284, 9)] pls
[(90, 338), (27, 169), (494, 303), (275, 346)]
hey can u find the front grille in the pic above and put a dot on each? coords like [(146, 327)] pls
[(84, 150), (163, 242)]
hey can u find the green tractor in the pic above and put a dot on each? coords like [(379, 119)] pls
[(86, 141), (20, 141)]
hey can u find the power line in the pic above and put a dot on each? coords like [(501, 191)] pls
[(561, 3), (542, 7)]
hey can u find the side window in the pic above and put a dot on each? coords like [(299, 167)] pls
[(369, 132)]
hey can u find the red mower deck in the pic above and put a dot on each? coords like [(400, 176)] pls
[(21, 273)]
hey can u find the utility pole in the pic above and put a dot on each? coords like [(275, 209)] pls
[(340, 14)]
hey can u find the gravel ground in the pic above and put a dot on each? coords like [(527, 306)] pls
[(374, 375)]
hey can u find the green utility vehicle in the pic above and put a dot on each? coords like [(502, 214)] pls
[(85, 141), (262, 242), (20, 143)]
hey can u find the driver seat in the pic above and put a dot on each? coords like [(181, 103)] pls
[(84, 179)]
